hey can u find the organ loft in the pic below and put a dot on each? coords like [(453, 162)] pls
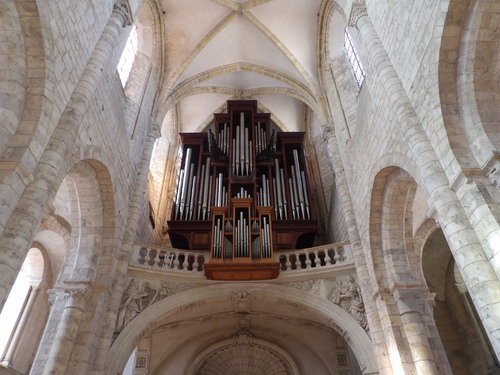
[(242, 194)]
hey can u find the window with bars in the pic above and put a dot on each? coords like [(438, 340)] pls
[(128, 55), (352, 55)]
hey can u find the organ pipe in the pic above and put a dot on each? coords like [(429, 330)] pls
[(242, 150), (279, 187)]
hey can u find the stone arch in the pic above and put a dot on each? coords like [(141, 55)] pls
[(30, 290), (15, 66), (321, 310), (457, 324), (479, 79), (332, 20), (26, 99), (469, 81), (186, 87), (84, 206), (381, 199), (403, 295), (149, 54), (285, 362), (26, 68), (396, 223)]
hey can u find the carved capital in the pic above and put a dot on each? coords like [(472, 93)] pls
[(358, 10), (155, 130), (122, 8), (76, 298)]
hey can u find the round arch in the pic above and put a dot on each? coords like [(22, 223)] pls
[(277, 353), (323, 311)]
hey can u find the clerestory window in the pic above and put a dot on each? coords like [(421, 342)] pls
[(128, 55), (352, 55)]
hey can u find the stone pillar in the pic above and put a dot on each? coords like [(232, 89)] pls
[(480, 278), (126, 247), (376, 332), (407, 301), (62, 347), (20, 228)]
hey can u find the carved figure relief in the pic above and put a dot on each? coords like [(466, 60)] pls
[(131, 305), (135, 299), (352, 302), (344, 293)]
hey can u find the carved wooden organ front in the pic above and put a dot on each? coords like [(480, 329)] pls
[(242, 194)]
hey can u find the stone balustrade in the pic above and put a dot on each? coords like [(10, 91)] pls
[(169, 259), (315, 257), (176, 260)]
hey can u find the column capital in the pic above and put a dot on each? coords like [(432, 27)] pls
[(122, 8), (358, 10), (329, 131), (155, 130)]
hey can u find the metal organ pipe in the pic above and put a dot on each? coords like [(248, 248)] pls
[(306, 197), (301, 200), (242, 142), (206, 186), (191, 198), (178, 194), (187, 163), (278, 189), (292, 197), (283, 193), (200, 192), (242, 163)]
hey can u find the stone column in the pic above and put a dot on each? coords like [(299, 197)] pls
[(407, 302), (480, 278), (127, 246), (67, 329), (376, 332), (48, 175)]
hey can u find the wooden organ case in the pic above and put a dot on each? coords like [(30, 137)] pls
[(242, 194)]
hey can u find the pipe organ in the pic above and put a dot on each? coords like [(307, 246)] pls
[(242, 193)]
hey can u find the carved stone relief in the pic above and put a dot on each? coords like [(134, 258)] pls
[(343, 292), (139, 295)]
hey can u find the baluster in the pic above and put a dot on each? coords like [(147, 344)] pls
[(308, 260), (345, 252), (152, 256), (317, 261), (185, 262), (203, 261), (176, 262), (161, 256), (298, 263), (171, 260), (328, 260), (288, 263), (337, 256), (195, 263), (142, 255)]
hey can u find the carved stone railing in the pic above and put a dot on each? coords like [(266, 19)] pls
[(157, 258), (314, 258), (191, 262)]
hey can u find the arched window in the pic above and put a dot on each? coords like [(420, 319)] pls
[(128, 56), (352, 55), (17, 306)]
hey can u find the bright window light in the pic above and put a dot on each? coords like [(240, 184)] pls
[(127, 58), (13, 308), (353, 57)]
